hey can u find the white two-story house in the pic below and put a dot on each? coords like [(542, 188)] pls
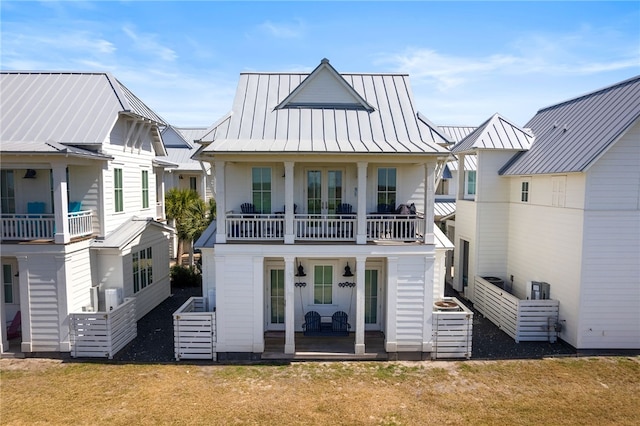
[(81, 203), (559, 203), (324, 184)]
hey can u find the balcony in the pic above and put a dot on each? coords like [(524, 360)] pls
[(334, 228), (30, 227)]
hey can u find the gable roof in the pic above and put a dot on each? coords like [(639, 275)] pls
[(49, 148), (571, 135), (324, 88), (457, 133), (66, 107), (495, 133), (180, 147), (263, 118)]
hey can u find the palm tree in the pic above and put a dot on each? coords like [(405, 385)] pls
[(190, 216)]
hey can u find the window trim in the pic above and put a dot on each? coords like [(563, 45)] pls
[(525, 190), (8, 192), (259, 203), (118, 190), (467, 183), (384, 196), (145, 189), (142, 269)]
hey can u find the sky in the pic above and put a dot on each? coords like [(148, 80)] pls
[(466, 60)]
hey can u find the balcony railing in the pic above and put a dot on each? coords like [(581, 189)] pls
[(339, 227), (26, 227)]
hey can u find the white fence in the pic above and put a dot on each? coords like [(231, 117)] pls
[(42, 226), (452, 332), (523, 320), (194, 330), (103, 334)]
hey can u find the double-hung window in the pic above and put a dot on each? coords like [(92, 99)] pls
[(387, 189), (118, 194), (322, 284), (470, 184), (524, 191), (8, 191), (261, 188)]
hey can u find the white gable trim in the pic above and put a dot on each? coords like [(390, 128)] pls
[(346, 89)]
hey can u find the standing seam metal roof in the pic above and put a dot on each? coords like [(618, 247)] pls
[(495, 133), (572, 134), (65, 107), (255, 125)]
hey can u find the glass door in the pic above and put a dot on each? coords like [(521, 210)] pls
[(275, 299), (372, 299), (325, 191)]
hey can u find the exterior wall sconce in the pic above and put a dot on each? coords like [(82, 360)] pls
[(30, 174), (347, 271), (300, 272)]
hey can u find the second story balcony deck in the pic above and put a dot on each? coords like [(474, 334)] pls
[(30, 226), (330, 228)]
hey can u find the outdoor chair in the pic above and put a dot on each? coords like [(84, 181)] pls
[(248, 208), (339, 323), (344, 208), (385, 208), (13, 330), (312, 323)]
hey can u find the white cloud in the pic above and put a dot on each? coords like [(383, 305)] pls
[(282, 30), (147, 43)]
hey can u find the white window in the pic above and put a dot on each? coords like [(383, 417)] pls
[(558, 184), (322, 284), (193, 183), (145, 189), (142, 265), (470, 182), (8, 191), (387, 186), (443, 187), (261, 188)]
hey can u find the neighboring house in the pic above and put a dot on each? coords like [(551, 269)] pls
[(562, 208), (309, 170), (81, 202), (189, 173)]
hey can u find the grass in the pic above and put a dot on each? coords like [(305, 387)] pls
[(562, 391)]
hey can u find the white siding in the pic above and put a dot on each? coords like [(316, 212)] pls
[(545, 245), (44, 302), (614, 180), (235, 313), (610, 293), (132, 162), (78, 268), (84, 186), (410, 303), (465, 230)]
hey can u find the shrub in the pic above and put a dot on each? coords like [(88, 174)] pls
[(185, 276)]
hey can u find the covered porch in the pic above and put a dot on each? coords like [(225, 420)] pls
[(324, 347)]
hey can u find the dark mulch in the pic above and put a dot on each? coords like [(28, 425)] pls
[(155, 330), (155, 335), (489, 342)]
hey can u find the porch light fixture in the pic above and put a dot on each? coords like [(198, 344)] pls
[(300, 271), (30, 174), (347, 271)]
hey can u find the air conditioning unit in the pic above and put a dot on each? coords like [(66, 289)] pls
[(538, 290), (113, 298)]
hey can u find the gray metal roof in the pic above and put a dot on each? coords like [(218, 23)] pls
[(470, 163), (64, 107), (208, 237), (123, 235), (191, 134), (180, 149), (320, 120), (457, 133), (444, 208), (49, 148), (573, 134), (495, 133)]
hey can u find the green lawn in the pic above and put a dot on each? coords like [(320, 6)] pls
[(577, 391)]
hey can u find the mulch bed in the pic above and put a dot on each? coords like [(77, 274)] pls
[(155, 335)]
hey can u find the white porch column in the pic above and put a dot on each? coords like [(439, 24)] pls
[(391, 343), (221, 219), (289, 231), (258, 304), (61, 204), (160, 191), (63, 283), (289, 311), (361, 236), (25, 302), (429, 195), (360, 290)]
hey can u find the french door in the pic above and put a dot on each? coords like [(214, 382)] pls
[(275, 298), (325, 190), (373, 299)]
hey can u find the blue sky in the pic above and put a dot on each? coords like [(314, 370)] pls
[(466, 60)]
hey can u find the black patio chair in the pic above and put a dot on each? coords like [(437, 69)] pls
[(339, 323), (312, 323)]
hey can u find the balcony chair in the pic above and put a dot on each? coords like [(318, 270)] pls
[(344, 208), (75, 206), (385, 208), (340, 324), (312, 323), (248, 208), (36, 207)]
